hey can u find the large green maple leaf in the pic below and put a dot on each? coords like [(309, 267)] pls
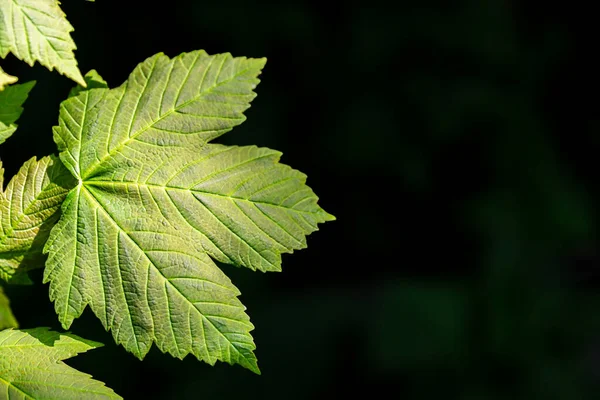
[(37, 30), (154, 203), (31, 367)]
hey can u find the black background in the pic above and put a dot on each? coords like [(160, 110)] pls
[(456, 143)]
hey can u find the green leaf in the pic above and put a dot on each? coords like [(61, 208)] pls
[(29, 207), (31, 367), (6, 79), (38, 30), (93, 80), (11, 100), (154, 202), (7, 319)]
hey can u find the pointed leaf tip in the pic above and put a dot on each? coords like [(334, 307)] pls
[(39, 31), (31, 363)]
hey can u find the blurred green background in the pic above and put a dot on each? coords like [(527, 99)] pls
[(456, 142)]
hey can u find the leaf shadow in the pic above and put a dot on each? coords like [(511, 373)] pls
[(44, 335)]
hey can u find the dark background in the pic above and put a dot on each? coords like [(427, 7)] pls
[(456, 142)]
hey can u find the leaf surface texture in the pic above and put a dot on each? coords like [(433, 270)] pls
[(29, 207)]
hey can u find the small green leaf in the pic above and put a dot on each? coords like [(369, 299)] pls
[(93, 80), (11, 100), (29, 207), (38, 30), (7, 319), (31, 367), (6, 79)]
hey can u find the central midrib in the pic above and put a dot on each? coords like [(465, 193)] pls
[(108, 184)]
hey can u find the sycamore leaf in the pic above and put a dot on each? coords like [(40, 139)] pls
[(31, 367), (11, 100), (38, 30), (29, 207), (154, 203), (7, 319), (6, 79)]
